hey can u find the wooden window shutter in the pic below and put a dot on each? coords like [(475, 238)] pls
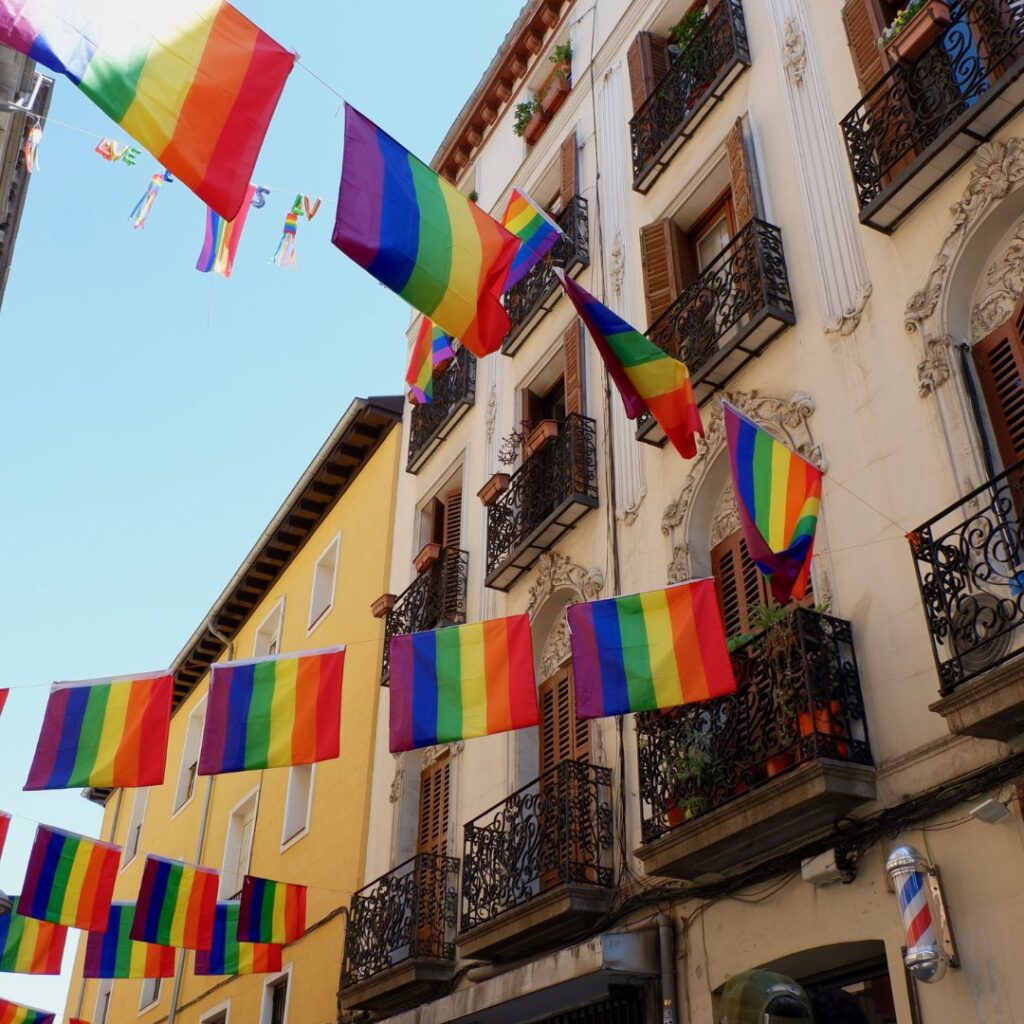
[(648, 62), (561, 736), (742, 176), (740, 586), (999, 359), (667, 264), (435, 782), (452, 534), (570, 170), (575, 389), (863, 30)]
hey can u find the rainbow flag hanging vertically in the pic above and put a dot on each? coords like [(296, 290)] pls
[(105, 733), (647, 378), (228, 955), (271, 911), (194, 81), (534, 228), (419, 236), (648, 651), (222, 237), (113, 954), (778, 496), (28, 946), (70, 879), (431, 352), (273, 712), (15, 1013), (176, 904), (463, 681)]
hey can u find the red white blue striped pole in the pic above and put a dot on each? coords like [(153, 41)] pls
[(925, 957)]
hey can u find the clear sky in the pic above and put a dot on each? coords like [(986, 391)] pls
[(152, 418)]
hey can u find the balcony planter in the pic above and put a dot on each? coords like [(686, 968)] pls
[(493, 489), (556, 93), (919, 33), (535, 127), (383, 605), (427, 558), (778, 764), (540, 437)]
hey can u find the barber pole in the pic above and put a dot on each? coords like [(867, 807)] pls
[(925, 958)]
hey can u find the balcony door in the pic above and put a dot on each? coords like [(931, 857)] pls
[(432, 843), (999, 360)]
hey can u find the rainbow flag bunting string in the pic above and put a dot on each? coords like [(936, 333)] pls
[(176, 904), (104, 733), (15, 1013), (271, 911), (419, 236), (222, 238), (113, 954), (70, 879), (431, 353), (273, 712), (228, 955), (463, 681), (778, 496), (194, 81), (28, 946), (286, 255), (538, 233), (648, 651)]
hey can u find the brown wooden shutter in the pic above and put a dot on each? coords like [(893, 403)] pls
[(740, 586), (863, 30), (562, 737), (999, 359), (570, 187), (742, 176), (452, 534), (648, 62), (667, 264), (435, 782), (575, 388)]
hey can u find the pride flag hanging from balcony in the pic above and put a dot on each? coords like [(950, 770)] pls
[(273, 712), (15, 1013), (419, 236), (534, 228), (194, 81), (105, 733), (113, 954), (431, 352), (70, 879), (778, 495), (271, 911), (647, 378), (28, 946), (649, 651), (229, 956), (464, 681), (176, 904)]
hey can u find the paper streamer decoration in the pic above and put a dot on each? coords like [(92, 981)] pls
[(28, 946), (5, 824), (228, 955), (176, 904), (104, 733), (271, 911), (33, 139), (222, 238), (194, 81), (15, 1013), (534, 228), (285, 255), (273, 712), (113, 954), (70, 879), (464, 681), (144, 207)]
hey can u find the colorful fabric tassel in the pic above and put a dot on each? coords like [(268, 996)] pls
[(144, 206), (33, 138), (222, 238), (285, 255)]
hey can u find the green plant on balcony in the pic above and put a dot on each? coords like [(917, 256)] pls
[(686, 772), (561, 57), (903, 19), (523, 115), (684, 31)]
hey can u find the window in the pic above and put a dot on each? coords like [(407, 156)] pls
[(189, 770), (999, 360), (865, 21), (106, 990), (298, 803), (442, 518), (435, 784), (559, 388), (150, 993), (238, 847), (325, 577), (275, 1001), (218, 1015), (133, 840), (268, 635)]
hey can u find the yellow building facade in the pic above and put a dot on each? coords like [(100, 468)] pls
[(308, 583)]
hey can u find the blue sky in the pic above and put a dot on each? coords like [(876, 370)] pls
[(153, 418)]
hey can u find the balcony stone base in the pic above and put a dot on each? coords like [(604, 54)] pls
[(990, 707), (789, 809), (406, 984), (552, 917)]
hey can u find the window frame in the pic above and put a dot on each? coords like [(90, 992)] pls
[(197, 713), (313, 622), (155, 1001), (288, 841), (105, 988), (277, 609), (266, 1002), (213, 1015), (141, 797), (253, 796)]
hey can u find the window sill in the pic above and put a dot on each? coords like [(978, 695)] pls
[(178, 810), (288, 843), (319, 619)]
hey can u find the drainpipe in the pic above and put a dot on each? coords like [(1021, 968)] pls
[(667, 952)]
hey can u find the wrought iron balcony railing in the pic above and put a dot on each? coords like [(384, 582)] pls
[(739, 304), (407, 914), (546, 497), (798, 699), (696, 81), (533, 297), (556, 831), (434, 599), (970, 568), (927, 115), (454, 395)]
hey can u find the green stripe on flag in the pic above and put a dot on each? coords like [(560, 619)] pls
[(65, 865), (431, 275), (112, 85), (636, 652), (267, 910), (257, 733), (89, 737), (448, 659), (762, 473), (170, 905)]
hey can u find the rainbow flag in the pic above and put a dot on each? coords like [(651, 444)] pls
[(419, 236), (70, 879), (105, 733), (194, 81), (229, 956), (649, 651), (778, 496), (222, 238), (176, 904), (15, 1013), (271, 911), (28, 946), (78, 1020), (463, 681), (273, 712), (534, 228), (5, 824), (4, 694), (431, 353), (647, 378), (112, 954)]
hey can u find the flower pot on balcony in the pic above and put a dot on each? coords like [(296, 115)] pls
[(537, 124), (493, 489), (556, 94), (540, 437), (778, 764), (383, 605), (427, 558), (674, 814), (920, 32)]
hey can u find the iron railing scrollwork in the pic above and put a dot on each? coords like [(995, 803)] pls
[(454, 386), (798, 698), (970, 570), (435, 598), (408, 914), (555, 831)]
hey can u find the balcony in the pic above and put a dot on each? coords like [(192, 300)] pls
[(970, 569), (400, 940), (434, 599), (546, 497), (533, 297), (728, 316), (735, 780), (694, 85), (928, 115), (538, 867), (454, 395)]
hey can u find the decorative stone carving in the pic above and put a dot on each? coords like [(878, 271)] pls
[(679, 567), (558, 572), (794, 51), (492, 413), (557, 650), (934, 370), (617, 264), (395, 792), (1004, 283), (726, 520)]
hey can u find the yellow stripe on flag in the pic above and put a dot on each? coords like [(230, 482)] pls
[(459, 304), (114, 718), (474, 681), (668, 688), (282, 712)]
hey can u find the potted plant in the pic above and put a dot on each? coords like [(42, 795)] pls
[(685, 771), (540, 437), (557, 86), (495, 487), (383, 605), (427, 557), (684, 31), (915, 28), (530, 120)]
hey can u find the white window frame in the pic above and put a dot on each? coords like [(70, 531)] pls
[(333, 547), (140, 804), (106, 988), (266, 1004), (155, 1001), (288, 841), (193, 744), (230, 855), (274, 633), (216, 1011)]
